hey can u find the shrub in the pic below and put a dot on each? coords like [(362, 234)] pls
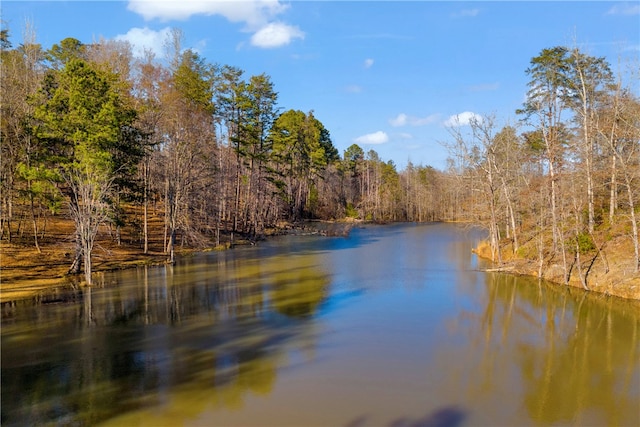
[(585, 243), (351, 211)]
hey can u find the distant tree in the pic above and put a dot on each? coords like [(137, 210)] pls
[(60, 54), (331, 153), (261, 111), (507, 151), (476, 153), (390, 193), (231, 100), (353, 166), (5, 43), (147, 93), (188, 131), (115, 60), (298, 157), (353, 156)]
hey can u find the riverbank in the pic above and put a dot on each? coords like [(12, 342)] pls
[(26, 272), (612, 272)]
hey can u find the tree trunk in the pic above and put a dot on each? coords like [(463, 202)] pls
[(590, 195), (76, 264), (554, 212), (34, 220), (237, 199), (512, 217), (145, 202), (87, 265), (171, 246), (634, 224), (165, 243), (613, 202)]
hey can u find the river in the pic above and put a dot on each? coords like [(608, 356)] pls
[(391, 326)]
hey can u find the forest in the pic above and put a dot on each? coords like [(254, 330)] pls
[(107, 141)]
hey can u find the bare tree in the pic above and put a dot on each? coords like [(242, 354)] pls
[(622, 132), (588, 78), (89, 190), (22, 154)]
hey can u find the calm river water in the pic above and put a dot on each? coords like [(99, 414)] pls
[(391, 326)]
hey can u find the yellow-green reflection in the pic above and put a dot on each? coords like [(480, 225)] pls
[(393, 326), (200, 335), (567, 357)]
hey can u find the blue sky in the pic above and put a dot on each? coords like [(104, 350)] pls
[(387, 75)]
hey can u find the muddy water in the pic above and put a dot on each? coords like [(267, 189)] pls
[(391, 326)]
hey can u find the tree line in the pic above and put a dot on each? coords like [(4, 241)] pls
[(560, 184), (91, 132)]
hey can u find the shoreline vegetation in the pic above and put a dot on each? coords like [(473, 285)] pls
[(28, 274)]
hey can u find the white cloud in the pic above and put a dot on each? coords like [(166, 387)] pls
[(462, 119), (257, 16), (399, 120), (402, 120), (142, 39), (378, 137), (368, 63), (405, 135), (421, 121), (624, 9), (466, 13), (276, 34), (255, 13), (353, 89), (470, 12)]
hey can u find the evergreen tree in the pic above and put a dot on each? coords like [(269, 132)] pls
[(89, 124)]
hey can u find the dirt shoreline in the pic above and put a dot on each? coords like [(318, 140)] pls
[(27, 273), (613, 277)]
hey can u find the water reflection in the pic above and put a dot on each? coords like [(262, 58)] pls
[(570, 357), (443, 417), (87, 355), (392, 326), (584, 371)]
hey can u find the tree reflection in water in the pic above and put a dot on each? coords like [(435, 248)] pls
[(576, 355), (381, 328), (97, 353)]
